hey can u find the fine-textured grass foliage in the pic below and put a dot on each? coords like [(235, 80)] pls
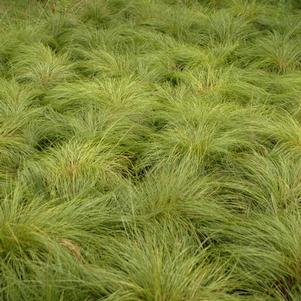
[(41, 66), (150, 150), (277, 52)]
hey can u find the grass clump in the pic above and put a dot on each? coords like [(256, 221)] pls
[(41, 66), (150, 150)]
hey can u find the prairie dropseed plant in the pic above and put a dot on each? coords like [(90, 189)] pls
[(277, 52), (41, 66)]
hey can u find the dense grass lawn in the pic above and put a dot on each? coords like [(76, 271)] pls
[(150, 150)]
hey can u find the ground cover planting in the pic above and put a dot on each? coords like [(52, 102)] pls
[(150, 150)]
